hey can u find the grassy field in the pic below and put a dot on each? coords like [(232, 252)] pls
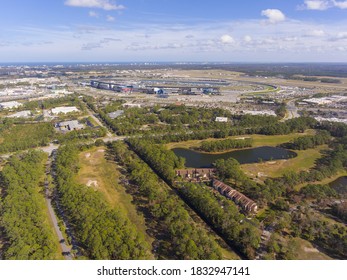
[(258, 140), (103, 176), (304, 161), (308, 252), (325, 181)]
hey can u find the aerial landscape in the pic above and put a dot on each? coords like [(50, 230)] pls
[(190, 131)]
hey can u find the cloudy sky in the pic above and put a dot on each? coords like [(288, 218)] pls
[(173, 30)]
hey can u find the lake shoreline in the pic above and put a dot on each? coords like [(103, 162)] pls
[(199, 159)]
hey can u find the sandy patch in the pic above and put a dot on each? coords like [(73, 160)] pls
[(261, 174), (310, 250), (92, 183)]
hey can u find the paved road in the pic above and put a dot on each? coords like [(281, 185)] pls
[(109, 134), (64, 247), (47, 149), (292, 110)]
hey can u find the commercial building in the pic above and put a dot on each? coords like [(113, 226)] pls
[(69, 125), (115, 114), (221, 119), (131, 105), (10, 105), (21, 114), (64, 110)]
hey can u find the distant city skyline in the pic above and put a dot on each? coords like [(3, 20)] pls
[(173, 30)]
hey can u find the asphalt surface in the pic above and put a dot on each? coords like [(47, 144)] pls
[(64, 247), (292, 110)]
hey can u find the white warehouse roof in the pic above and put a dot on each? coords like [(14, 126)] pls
[(64, 110), (221, 119), (10, 105)]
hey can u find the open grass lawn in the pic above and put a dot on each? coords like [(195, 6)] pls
[(258, 140), (324, 181), (269, 140), (103, 176), (307, 251), (304, 161)]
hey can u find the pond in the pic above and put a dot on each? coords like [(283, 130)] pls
[(197, 159), (340, 185)]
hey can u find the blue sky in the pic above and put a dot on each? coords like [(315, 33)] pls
[(173, 30)]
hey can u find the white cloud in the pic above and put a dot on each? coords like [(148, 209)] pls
[(227, 39), (247, 39), (108, 40), (341, 5), (322, 5), (273, 15), (102, 4), (110, 18), (93, 14), (90, 46), (316, 33), (341, 36)]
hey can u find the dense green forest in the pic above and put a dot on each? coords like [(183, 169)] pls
[(81, 135), (332, 237), (276, 193), (179, 237), (101, 232), (243, 237), (26, 230), (235, 229), (71, 100), (16, 137)]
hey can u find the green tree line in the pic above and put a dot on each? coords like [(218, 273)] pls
[(101, 232), (27, 233), (180, 236), (24, 136), (224, 145), (309, 141), (225, 218)]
